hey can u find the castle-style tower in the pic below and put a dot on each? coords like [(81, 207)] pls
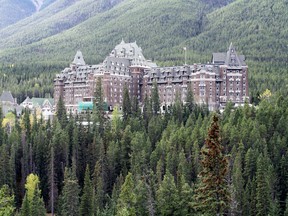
[(233, 77)]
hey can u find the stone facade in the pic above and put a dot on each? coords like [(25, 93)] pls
[(214, 84)]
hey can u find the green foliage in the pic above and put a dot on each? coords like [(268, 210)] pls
[(167, 196), (7, 206), (70, 194), (127, 198), (86, 204), (33, 203), (212, 195)]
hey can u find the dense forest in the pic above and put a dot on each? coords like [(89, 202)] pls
[(144, 163)]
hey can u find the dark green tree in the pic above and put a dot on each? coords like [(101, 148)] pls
[(155, 99), (70, 194), (86, 204), (167, 197), (126, 105), (262, 188), (61, 112), (127, 198), (37, 205), (7, 206), (98, 109), (212, 194)]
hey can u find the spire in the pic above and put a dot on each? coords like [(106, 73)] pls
[(78, 59), (232, 59), (122, 42)]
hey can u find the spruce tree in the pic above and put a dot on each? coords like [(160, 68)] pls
[(61, 112), (37, 205), (70, 194), (86, 205), (262, 189), (155, 99), (98, 109), (25, 208), (126, 105), (167, 197), (127, 198), (7, 206), (211, 194)]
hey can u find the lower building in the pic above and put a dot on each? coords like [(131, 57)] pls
[(224, 79)]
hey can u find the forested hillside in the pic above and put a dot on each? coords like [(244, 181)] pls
[(12, 11), (149, 164)]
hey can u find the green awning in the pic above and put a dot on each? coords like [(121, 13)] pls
[(83, 106)]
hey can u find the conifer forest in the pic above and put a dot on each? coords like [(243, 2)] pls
[(188, 161)]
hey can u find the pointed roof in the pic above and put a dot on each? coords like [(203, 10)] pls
[(7, 97), (27, 100), (78, 59), (232, 59)]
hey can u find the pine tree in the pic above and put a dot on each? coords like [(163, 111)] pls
[(127, 198), (262, 189), (238, 181), (61, 112), (86, 205), (190, 104), (37, 205), (126, 105), (7, 206), (98, 109), (211, 194), (155, 99), (33, 203), (70, 194), (98, 185), (167, 197), (25, 208)]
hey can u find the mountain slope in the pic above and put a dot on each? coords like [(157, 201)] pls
[(12, 11), (162, 28), (257, 27), (157, 25), (59, 16)]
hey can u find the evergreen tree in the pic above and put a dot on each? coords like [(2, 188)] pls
[(33, 203), (61, 112), (127, 198), (155, 99), (167, 197), (211, 194), (86, 204), (70, 194), (37, 205), (190, 104), (238, 181), (25, 208), (135, 107), (98, 111), (7, 206), (262, 189), (98, 185), (126, 105)]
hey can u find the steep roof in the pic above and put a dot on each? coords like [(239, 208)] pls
[(131, 51), (27, 100), (78, 59), (40, 101), (7, 97), (230, 58)]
